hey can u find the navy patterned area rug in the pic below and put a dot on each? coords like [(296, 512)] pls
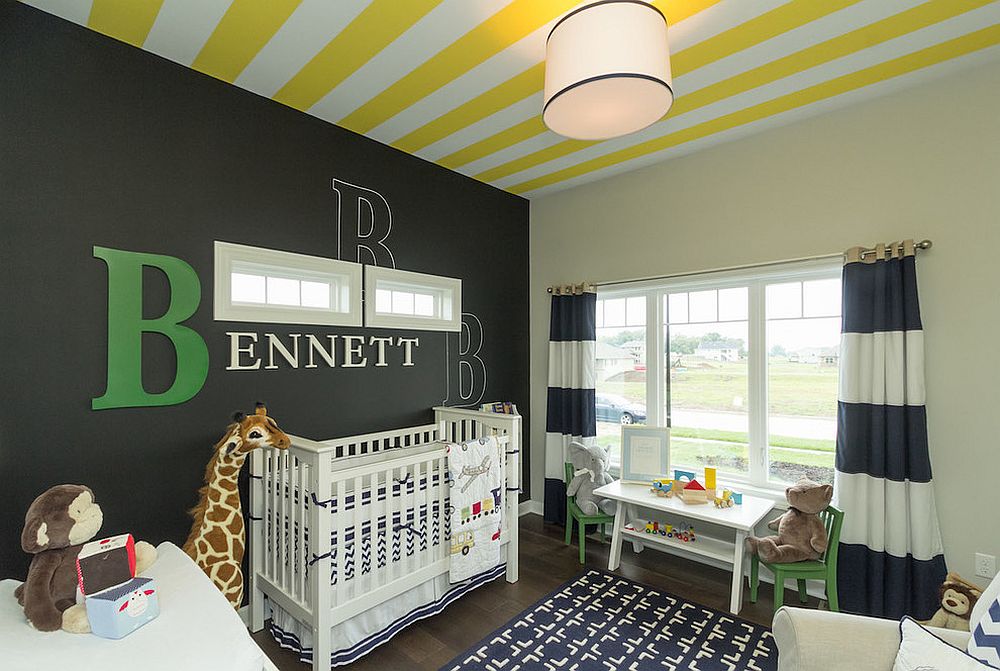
[(604, 622)]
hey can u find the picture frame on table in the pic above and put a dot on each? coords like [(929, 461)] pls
[(645, 453)]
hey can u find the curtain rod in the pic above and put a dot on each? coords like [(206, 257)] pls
[(590, 286)]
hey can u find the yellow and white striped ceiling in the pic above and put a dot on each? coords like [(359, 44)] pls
[(459, 82)]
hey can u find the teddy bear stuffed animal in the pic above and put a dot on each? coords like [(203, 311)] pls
[(590, 471), (56, 525), (801, 534), (958, 597)]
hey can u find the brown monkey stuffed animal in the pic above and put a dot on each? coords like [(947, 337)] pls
[(56, 525)]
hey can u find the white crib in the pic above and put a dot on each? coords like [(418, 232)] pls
[(399, 537)]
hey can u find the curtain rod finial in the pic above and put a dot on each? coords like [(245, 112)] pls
[(924, 244)]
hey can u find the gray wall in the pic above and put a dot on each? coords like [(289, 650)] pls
[(923, 162)]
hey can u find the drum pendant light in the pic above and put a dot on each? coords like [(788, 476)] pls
[(607, 70)]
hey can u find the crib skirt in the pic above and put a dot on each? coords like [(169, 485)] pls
[(356, 637)]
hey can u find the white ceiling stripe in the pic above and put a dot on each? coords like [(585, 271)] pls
[(77, 11), (436, 30), (523, 148), (716, 19), (851, 98), (486, 127), (512, 61), (519, 57), (814, 32), (773, 49), (183, 26), (880, 53), (310, 28)]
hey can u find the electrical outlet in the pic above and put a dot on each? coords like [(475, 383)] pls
[(986, 565)]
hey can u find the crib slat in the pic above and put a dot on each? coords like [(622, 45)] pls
[(442, 545), (408, 508), (283, 515), (425, 514), (340, 547), (358, 537), (385, 533), (272, 516)]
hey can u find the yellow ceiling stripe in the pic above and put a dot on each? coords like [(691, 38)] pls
[(243, 31), (497, 98), (883, 30), (515, 21), (369, 33), (125, 20), (960, 46), (516, 88), (759, 29)]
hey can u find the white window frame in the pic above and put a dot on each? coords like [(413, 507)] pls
[(446, 290), (346, 277), (755, 279)]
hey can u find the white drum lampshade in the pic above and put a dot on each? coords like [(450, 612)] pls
[(607, 70)]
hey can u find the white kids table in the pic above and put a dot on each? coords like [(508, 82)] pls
[(742, 519)]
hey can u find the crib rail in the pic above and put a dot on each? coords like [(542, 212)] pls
[(336, 530)]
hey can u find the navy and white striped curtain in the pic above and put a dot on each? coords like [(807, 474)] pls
[(570, 414), (891, 560)]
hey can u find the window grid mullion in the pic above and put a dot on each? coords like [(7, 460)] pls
[(757, 382), (655, 384)]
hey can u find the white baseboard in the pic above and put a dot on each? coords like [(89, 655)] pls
[(529, 508)]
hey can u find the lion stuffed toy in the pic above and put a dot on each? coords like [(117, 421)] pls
[(56, 526), (958, 598), (801, 534)]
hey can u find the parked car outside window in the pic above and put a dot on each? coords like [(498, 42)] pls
[(618, 409)]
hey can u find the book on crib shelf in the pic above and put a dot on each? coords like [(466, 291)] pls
[(499, 407)]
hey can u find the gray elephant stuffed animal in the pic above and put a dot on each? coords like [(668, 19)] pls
[(590, 471)]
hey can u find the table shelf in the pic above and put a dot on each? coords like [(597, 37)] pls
[(705, 546)]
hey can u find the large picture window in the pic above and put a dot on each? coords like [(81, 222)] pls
[(742, 366)]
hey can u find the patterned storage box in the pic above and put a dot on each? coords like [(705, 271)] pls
[(120, 610), (106, 563)]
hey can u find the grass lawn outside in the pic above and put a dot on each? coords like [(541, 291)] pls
[(795, 389)]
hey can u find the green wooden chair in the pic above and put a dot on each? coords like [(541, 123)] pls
[(573, 512), (824, 568)]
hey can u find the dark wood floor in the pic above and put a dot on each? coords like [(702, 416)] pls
[(546, 563)]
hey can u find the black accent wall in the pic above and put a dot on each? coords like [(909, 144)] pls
[(103, 144)]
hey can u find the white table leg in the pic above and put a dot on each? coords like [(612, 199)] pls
[(736, 598), (615, 554)]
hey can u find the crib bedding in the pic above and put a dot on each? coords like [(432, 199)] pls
[(397, 535), (361, 634)]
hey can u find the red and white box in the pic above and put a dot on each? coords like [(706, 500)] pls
[(105, 563)]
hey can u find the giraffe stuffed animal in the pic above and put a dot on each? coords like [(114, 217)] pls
[(217, 540)]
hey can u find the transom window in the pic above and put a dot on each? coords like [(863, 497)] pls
[(743, 366), (267, 285), (409, 300)]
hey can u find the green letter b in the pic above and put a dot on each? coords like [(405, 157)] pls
[(126, 326)]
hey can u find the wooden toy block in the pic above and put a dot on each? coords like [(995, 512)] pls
[(709, 477), (683, 475), (694, 493)]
